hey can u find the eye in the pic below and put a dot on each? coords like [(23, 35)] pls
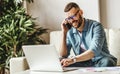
[(71, 17)]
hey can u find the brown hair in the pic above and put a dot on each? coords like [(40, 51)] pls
[(70, 5)]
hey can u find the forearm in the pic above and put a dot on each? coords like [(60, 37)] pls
[(82, 57), (87, 55), (63, 47)]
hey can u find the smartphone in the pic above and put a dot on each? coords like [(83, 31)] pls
[(68, 26)]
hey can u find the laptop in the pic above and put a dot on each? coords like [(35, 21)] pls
[(44, 58)]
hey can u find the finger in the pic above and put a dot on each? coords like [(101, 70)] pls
[(64, 22), (62, 61), (66, 63)]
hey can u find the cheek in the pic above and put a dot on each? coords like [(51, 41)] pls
[(78, 17)]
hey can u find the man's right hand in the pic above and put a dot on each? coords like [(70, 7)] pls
[(63, 26)]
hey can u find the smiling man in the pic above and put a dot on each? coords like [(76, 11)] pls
[(86, 38)]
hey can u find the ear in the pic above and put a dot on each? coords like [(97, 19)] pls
[(81, 11)]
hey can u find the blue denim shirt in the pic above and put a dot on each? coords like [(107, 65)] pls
[(93, 37)]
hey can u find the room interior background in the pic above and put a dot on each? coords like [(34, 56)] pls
[(50, 13)]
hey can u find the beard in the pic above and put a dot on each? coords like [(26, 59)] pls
[(79, 21)]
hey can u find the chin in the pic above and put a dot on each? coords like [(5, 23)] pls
[(75, 26)]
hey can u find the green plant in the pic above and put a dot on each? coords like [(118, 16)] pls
[(16, 28)]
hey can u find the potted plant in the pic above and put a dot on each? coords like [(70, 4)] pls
[(16, 28)]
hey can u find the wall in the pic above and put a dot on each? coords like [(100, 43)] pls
[(50, 13), (110, 13)]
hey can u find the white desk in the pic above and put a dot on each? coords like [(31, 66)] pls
[(71, 72)]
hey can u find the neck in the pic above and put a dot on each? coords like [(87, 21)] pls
[(80, 29)]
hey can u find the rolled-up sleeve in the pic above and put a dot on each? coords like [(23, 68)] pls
[(98, 39)]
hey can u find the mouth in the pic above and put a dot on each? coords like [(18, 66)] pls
[(75, 23)]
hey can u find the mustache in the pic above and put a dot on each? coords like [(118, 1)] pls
[(74, 21)]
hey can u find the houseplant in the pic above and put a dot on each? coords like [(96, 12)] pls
[(16, 28)]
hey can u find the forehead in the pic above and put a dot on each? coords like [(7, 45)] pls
[(71, 12)]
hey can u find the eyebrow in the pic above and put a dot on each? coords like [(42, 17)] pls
[(74, 14)]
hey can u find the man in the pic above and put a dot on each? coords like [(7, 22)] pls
[(87, 39)]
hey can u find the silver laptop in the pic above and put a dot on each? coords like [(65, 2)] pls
[(43, 58)]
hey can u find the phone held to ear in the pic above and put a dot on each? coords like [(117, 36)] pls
[(68, 25)]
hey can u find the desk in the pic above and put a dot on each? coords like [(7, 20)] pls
[(79, 71)]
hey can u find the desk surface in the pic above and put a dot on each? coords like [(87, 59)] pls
[(80, 71)]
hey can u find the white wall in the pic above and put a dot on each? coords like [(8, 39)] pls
[(110, 13), (50, 13)]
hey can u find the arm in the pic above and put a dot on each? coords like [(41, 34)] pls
[(63, 47), (96, 44), (87, 55), (97, 40)]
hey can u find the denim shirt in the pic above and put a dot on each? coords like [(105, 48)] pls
[(93, 38)]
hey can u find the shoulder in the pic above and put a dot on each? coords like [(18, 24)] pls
[(92, 24)]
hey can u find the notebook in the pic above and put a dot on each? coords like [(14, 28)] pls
[(44, 58)]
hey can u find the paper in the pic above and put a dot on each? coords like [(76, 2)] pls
[(99, 69)]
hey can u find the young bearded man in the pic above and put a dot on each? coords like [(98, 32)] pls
[(86, 38)]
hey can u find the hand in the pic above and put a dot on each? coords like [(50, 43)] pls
[(63, 26), (66, 62)]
